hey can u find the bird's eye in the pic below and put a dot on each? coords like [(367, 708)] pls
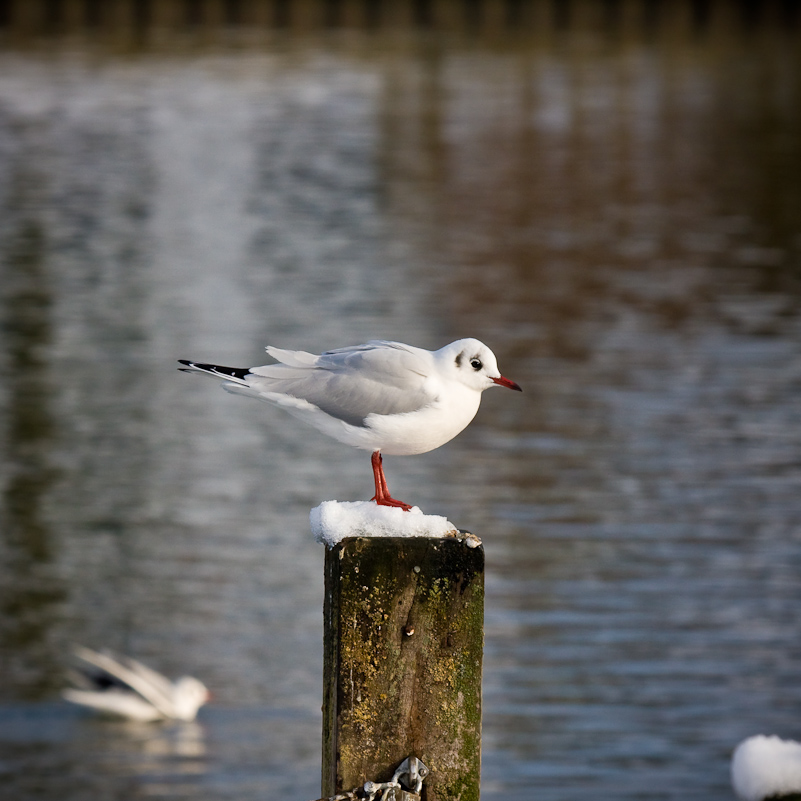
[(476, 364)]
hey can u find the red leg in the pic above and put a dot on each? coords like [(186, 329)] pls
[(382, 496)]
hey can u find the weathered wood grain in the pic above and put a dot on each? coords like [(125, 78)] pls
[(403, 645)]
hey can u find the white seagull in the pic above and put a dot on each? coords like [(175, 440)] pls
[(128, 688), (384, 397)]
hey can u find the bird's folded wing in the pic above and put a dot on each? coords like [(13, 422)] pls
[(351, 383)]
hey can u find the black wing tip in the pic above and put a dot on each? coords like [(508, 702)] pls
[(214, 369)]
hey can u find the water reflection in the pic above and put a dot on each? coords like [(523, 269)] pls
[(141, 21), (617, 216), (31, 587)]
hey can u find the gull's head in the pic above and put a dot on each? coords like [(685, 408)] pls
[(189, 695), (473, 364)]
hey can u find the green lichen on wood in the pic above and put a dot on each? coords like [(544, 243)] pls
[(403, 652)]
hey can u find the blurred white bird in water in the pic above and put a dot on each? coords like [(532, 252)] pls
[(132, 690), (384, 397)]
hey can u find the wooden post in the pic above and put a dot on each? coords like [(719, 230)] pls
[(403, 645)]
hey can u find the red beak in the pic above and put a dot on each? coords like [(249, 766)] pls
[(505, 382)]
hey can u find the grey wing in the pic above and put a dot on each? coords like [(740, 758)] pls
[(131, 677), (351, 383)]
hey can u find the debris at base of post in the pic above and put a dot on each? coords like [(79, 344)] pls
[(470, 540), (406, 785)]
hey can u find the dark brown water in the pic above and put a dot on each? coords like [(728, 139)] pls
[(612, 204)]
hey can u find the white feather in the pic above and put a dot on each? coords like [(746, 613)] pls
[(135, 691)]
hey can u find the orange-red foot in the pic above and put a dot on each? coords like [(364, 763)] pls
[(382, 496), (387, 501)]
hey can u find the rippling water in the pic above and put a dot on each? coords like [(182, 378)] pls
[(619, 219)]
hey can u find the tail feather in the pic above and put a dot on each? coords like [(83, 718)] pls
[(293, 358)]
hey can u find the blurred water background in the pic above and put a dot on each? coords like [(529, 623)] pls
[(607, 193)]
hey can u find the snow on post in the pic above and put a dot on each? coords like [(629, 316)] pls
[(403, 646), (766, 767)]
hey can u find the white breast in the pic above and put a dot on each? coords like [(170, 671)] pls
[(428, 428)]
